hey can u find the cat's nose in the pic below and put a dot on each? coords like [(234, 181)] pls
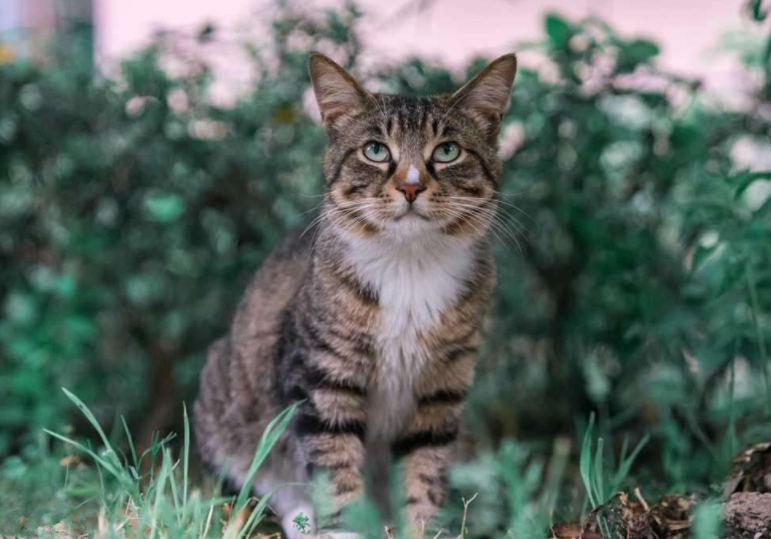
[(410, 185), (411, 191)]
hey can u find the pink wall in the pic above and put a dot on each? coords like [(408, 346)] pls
[(454, 30)]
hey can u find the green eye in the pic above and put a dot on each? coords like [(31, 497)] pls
[(374, 151), (446, 152)]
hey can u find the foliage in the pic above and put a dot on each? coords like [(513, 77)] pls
[(133, 213), (634, 261), (599, 487), (706, 523), (161, 502), (510, 493)]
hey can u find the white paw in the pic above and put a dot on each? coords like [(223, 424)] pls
[(291, 528), (340, 534)]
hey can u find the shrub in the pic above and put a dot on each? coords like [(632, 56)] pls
[(633, 268)]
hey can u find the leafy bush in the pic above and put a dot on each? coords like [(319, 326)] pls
[(133, 213), (637, 252), (634, 266)]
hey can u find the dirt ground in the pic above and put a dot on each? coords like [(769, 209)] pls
[(746, 510)]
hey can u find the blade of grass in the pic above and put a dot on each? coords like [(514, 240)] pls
[(257, 515), (130, 440), (117, 472), (585, 463), (91, 419), (269, 438), (110, 461), (626, 464), (599, 477), (173, 484), (185, 455), (165, 477), (557, 467), (762, 348)]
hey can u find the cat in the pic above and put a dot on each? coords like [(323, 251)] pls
[(373, 320)]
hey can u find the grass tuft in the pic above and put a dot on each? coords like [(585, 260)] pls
[(160, 503)]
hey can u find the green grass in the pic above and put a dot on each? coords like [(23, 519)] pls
[(110, 489), (115, 498), (162, 502), (707, 521), (127, 494), (600, 484)]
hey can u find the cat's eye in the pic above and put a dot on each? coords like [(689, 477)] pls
[(377, 152), (447, 152)]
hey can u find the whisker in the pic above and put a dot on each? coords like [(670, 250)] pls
[(518, 193), (380, 109), (496, 223), (456, 215), (504, 202), (336, 213), (521, 228), (502, 217), (473, 220)]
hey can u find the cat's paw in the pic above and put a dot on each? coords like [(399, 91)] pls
[(338, 534)]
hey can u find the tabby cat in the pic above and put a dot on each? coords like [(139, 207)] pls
[(373, 320)]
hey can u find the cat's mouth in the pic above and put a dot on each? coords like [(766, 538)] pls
[(411, 212)]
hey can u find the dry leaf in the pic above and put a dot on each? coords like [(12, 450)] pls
[(750, 471), (71, 460)]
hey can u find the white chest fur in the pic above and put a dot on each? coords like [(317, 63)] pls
[(415, 281)]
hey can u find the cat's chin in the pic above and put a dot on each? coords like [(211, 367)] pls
[(408, 212), (410, 224)]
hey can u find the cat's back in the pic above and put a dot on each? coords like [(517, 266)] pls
[(236, 396), (261, 310)]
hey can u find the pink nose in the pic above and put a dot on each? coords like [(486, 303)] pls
[(411, 191)]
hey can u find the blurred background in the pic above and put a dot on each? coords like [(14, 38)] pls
[(152, 153)]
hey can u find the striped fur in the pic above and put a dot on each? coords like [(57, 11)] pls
[(374, 319)]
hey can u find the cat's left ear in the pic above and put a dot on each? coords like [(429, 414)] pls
[(337, 92), (486, 96)]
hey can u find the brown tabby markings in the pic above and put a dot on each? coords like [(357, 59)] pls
[(374, 322)]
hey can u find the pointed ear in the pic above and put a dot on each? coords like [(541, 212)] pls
[(337, 92), (486, 96)]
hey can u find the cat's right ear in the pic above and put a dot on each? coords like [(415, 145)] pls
[(337, 92), (486, 96)]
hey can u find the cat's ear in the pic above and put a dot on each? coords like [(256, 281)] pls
[(486, 96), (337, 92)]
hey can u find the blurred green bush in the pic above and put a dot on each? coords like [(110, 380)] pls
[(634, 266)]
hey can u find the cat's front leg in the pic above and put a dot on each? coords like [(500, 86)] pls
[(427, 447), (425, 452), (330, 426)]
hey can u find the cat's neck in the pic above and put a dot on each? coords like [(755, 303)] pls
[(385, 252), (445, 254), (415, 278)]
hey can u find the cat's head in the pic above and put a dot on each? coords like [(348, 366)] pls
[(405, 167)]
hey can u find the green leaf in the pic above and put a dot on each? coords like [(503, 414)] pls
[(163, 207), (701, 255), (756, 10), (558, 30), (21, 308), (634, 53), (742, 180)]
